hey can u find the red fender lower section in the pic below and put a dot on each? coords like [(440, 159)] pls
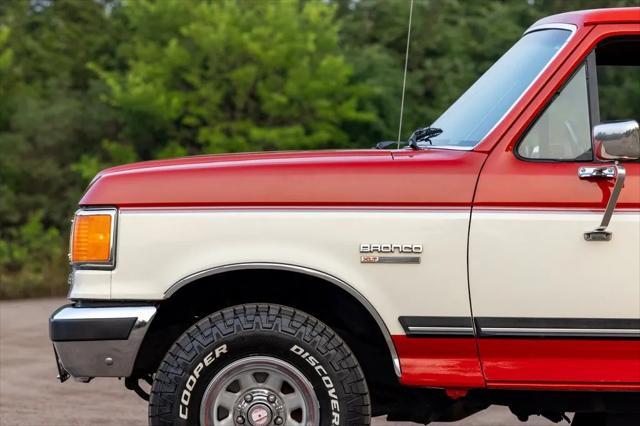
[(520, 363), (446, 362)]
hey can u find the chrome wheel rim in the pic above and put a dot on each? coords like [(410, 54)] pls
[(259, 391)]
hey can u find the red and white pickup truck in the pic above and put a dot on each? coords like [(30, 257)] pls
[(494, 260)]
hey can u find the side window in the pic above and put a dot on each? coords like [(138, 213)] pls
[(563, 131), (618, 75)]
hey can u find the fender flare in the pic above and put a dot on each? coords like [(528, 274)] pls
[(303, 270)]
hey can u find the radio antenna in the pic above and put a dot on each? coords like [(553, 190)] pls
[(404, 79)]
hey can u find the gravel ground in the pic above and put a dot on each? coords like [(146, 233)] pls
[(30, 394)]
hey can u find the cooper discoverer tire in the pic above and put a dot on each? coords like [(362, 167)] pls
[(257, 365)]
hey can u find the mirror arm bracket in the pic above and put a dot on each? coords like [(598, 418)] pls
[(607, 172)]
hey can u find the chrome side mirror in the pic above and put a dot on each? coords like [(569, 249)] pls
[(613, 141), (617, 140)]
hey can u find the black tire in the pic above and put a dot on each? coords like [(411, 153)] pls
[(280, 332), (589, 419), (606, 419)]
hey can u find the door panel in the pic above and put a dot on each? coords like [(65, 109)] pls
[(528, 259), (551, 309)]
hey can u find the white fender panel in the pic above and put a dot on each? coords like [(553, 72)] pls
[(157, 248), (90, 284)]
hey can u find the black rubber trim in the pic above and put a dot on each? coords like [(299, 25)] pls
[(464, 324), (617, 328), (577, 323), (76, 330), (555, 327)]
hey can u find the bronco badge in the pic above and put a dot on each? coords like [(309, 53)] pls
[(373, 249)]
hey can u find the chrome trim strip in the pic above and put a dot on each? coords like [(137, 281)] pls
[(422, 329), (559, 322), (143, 313), (372, 209), (436, 328), (303, 270), (577, 331), (598, 328), (555, 26), (111, 264), (103, 358), (293, 208), (551, 210)]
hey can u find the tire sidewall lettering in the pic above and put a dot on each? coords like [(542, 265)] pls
[(179, 392), (210, 363), (326, 381), (192, 380)]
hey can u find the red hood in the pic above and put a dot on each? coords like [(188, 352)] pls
[(242, 157), (313, 178)]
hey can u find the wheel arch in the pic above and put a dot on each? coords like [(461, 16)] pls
[(207, 291), (180, 284)]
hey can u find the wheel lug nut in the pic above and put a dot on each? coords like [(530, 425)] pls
[(240, 420), (278, 420), (248, 397), (271, 398)]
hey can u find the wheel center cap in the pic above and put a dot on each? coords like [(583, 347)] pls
[(259, 415)]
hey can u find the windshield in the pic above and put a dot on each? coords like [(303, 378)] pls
[(479, 109)]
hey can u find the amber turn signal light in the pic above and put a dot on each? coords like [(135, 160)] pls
[(91, 238)]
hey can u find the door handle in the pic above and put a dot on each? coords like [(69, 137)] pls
[(607, 172), (616, 171)]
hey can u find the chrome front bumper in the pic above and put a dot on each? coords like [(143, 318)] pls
[(98, 341)]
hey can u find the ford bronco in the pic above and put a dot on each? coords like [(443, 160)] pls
[(493, 260)]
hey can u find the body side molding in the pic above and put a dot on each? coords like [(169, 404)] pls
[(303, 270), (522, 327), (437, 326), (600, 328)]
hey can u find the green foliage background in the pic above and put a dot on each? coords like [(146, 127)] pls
[(85, 84)]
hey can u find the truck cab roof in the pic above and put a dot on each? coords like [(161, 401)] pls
[(593, 17)]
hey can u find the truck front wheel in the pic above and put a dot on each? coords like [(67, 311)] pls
[(259, 365)]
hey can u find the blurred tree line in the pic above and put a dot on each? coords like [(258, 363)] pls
[(85, 84)]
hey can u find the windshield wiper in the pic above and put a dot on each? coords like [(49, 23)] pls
[(423, 134)]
